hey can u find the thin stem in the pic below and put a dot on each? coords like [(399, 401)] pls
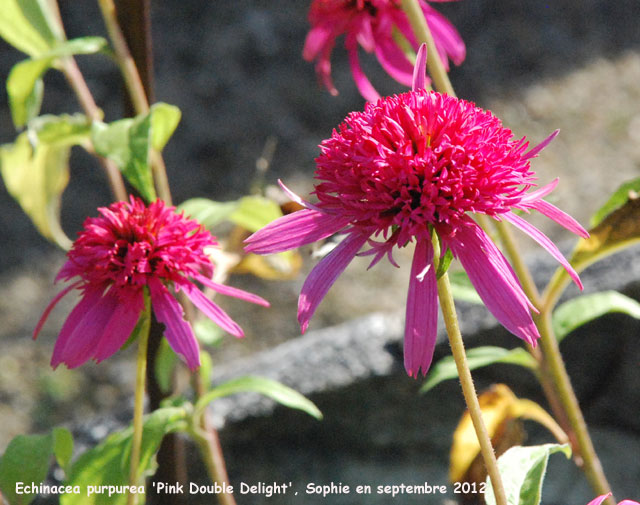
[(138, 409), (466, 381)]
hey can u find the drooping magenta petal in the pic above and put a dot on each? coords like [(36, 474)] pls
[(494, 280), (394, 61), (420, 70), (317, 38), (294, 230), (421, 326), (51, 305), (447, 39), (364, 85), (545, 242), (560, 217), (120, 325), (178, 332), (324, 274), (533, 152), (599, 499), (231, 291), (212, 311)]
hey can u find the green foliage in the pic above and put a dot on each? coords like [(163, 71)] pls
[(36, 178), (255, 212), (627, 191), (108, 463), (163, 366), (208, 332), (462, 289), (24, 84), (61, 131), (27, 26), (164, 121), (476, 358), (207, 212), (578, 311), (278, 392), (523, 470), (27, 460), (444, 263)]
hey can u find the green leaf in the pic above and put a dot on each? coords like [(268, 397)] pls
[(578, 311), (24, 24), (278, 392), (255, 212), (522, 470), (476, 358), (107, 464), (206, 369), (207, 212), (208, 332), (629, 190), (36, 179), (462, 289), (126, 142), (62, 447), (64, 130), (24, 84), (444, 263), (164, 365), (26, 459), (164, 121)]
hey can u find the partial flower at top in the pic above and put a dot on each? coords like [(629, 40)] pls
[(408, 165), (380, 27), (128, 248), (602, 498)]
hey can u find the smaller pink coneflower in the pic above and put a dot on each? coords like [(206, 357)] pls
[(375, 25), (407, 166), (131, 247)]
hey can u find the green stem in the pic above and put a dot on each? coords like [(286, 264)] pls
[(138, 408), (466, 381)]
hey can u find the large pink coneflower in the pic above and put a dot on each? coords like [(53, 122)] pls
[(375, 25), (408, 165), (128, 248)]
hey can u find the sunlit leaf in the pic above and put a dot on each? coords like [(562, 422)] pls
[(164, 121), (278, 392), (255, 212), (126, 142), (206, 369), (522, 470), (500, 408), (462, 289), (63, 130), (617, 230), (26, 25), (36, 179), (207, 212), (444, 264), (208, 332), (578, 311), (477, 357), (281, 266), (62, 447), (108, 464), (27, 460), (627, 191)]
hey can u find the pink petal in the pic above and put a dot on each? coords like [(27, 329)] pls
[(599, 499), (178, 332), (421, 326), (533, 152), (560, 217), (494, 280), (324, 274), (51, 305), (231, 291), (119, 328), (212, 311), (394, 61), (297, 199), (447, 39), (544, 241), (364, 86), (318, 38), (628, 502), (420, 69), (294, 230), (538, 194)]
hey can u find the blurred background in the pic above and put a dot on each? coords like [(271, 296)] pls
[(236, 72)]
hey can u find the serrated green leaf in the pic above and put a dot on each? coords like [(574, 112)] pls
[(522, 470), (578, 311), (62, 447), (164, 121), (462, 289), (107, 463), (255, 212), (164, 365), (64, 130), (24, 24), (36, 179), (126, 142), (207, 212), (278, 392), (477, 357), (621, 196), (26, 459)]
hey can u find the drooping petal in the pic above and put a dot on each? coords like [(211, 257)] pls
[(231, 291), (421, 325), (560, 217), (120, 325), (212, 311), (447, 39), (51, 305), (599, 499), (394, 61), (324, 274), (420, 70), (294, 230), (318, 38), (364, 85), (533, 152), (494, 280), (178, 332), (544, 241)]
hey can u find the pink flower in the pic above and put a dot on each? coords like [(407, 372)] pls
[(600, 499), (407, 165), (130, 247), (375, 25)]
